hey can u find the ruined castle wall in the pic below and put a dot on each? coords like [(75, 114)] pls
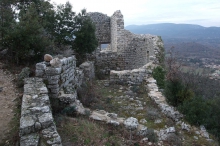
[(117, 25), (139, 50), (57, 78), (102, 23), (143, 49), (108, 60), (127, 51)]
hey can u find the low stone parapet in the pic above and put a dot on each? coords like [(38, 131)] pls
[(135, 76)]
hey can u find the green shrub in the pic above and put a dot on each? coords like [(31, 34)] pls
[(69, 111), (195, 110), (199, 111), (176, 92), (159, 75), (212, 121)]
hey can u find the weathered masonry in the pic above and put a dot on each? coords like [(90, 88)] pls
[(125, 50)]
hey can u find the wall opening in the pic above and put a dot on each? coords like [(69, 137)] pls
[(104, 46)]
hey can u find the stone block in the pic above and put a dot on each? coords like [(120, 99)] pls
[(55, 90), (52, 82), (46, 120), (27, 124), (53, 86), (52, 71), (40, 66), (52, 77), (39, 73), (32, 139)]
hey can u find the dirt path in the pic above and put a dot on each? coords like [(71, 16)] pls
[(7, 97)]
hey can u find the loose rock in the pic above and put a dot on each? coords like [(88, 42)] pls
[(47, 57)]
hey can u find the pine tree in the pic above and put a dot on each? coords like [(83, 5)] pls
[(64, 24), (85, 39), (28, 39), (6, 19)]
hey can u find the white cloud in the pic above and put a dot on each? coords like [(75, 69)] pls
[(155, 11)]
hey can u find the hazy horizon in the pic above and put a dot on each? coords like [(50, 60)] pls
[(170, 23), (143, 12)]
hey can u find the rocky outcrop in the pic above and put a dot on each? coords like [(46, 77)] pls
[(37, 126)]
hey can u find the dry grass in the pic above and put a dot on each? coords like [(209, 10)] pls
[(82, 131)]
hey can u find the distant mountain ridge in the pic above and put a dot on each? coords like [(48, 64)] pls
[(187, 39), (171, 30)]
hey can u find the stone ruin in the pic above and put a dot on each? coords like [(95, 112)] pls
[(129, 59), (59, 78), (126, 50)]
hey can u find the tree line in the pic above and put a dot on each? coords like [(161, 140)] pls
[(30, 28)]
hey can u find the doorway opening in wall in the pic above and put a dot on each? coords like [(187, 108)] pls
[(104, 46)]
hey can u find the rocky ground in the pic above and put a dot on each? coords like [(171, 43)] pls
[(8, 95), (133, 101), (122, 101)]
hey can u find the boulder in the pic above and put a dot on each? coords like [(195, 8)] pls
[(164, 133), (186, 127), (143, 121), (47, 57), (142, 130), (131, 123), (115, 123)]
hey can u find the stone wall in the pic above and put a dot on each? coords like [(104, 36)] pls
[(37, 127), (117, 25), (135, 76), (127, 50), (140, 50), (102, 23), (88, 70), (160, 100), (60, 77), (108, 60)]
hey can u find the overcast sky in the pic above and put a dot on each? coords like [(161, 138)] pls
[(138, 12)]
